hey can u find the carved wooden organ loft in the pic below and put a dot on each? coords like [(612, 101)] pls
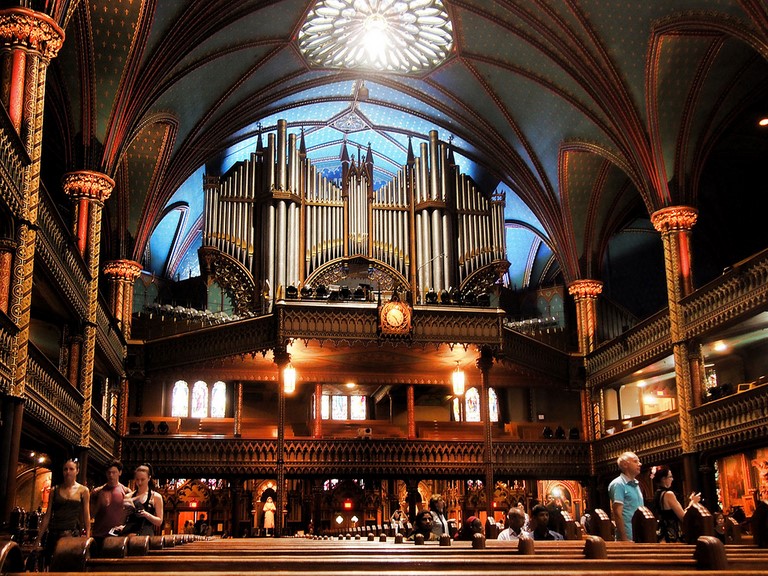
[(284, 226)]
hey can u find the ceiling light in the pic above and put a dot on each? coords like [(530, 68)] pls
[(350, 384), (642, 384), (458, 380), (762, 122), (720, 346), (392, 36), (289, 379)]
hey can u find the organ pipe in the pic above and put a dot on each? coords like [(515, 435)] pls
[(278, 216)]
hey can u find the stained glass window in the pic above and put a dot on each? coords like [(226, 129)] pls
[(219, 400), (358, 408), (325, 407), (456, 410), (339, 408), (472, 406), (180, 400), (493, 405), (200, 399), (472, 399)]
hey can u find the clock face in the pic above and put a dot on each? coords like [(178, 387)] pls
[(395, 318)]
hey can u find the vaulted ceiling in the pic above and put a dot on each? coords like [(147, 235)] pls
[(590, 114)]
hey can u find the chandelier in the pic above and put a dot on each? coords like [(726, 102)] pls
[(385, 35)]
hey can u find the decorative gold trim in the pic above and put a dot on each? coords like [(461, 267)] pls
[(395, 318), (674, 218), (87, 184), (32, 30)]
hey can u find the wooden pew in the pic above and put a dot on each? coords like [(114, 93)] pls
[(300, 556)]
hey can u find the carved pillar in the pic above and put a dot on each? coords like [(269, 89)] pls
[(674, 224), (484, 364), (28, 42), (7, 249), (411, 409), (412, 497), (317, 505), (88, 190), (282, 359), (122, 414), (585, 293), (121, 275), (73, 372), (317, 423), (236, 494), (238, 409)]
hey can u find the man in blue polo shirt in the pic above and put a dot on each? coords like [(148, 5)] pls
[(626, 496)]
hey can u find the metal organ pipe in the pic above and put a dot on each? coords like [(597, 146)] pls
[(282, 127), (283, 220)]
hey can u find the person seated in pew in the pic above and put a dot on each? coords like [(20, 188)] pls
[(540, 521), (423, 525), (471, 526), (719, 519), (514, 525), (668, 510)]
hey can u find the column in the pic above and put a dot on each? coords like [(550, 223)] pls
[(88, 190), (317, 423), (29, 40), (411, 411), (674, 224), (75, 347), (7, 249), (484, 364), (585, 293), (282, 359), (121, 275), (238, 409), (122, 414)]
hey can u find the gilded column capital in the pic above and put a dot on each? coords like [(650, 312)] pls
[(585, 289), (88, 185), (122, 270), (31, 30), (674, 218)]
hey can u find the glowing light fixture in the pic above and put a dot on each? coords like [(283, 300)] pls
[(642, 384), (458, 380), (720, 346), (339, 519), (762, 122), (392, 35), (289, 379)]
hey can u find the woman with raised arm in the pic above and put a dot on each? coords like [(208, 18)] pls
[(669, 510)]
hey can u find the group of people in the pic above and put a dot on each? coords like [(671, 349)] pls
[(431, 523), (626, 497), (115, 509), (625, 494)]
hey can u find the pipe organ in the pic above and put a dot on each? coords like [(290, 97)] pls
[(429, 228)]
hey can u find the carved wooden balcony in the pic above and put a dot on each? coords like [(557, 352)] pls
[(740, 419), (8, 331), (13, 162), (658, 441), (185, 456)]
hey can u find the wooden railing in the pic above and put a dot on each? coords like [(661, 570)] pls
[(51, 399), (8, 331), (736, 419), (13, 161)]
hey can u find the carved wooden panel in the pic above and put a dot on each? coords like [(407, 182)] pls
[(658, 441)]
